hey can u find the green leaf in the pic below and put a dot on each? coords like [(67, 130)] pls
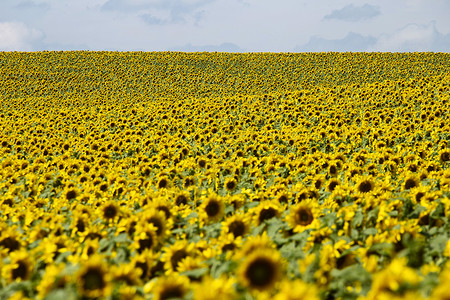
[(220, 267), (370, 231), (122, 238), (358, 218), (196, 273)]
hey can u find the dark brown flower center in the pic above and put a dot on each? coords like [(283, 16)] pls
[(93, 279), (304, 217), (261, 273)]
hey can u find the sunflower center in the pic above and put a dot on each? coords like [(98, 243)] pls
[(283, 199), (231, 185), (237, 228), (212, 209), (71, 195), (162, 183), (21, 271), (228, 247), (419, 196), (164, 209), (144, 268), (261, 273), (410, 183), (333, 170), (93, 279), (202, 163), (157, 223), (304, 217), (81, 227), (110, 212), (332, 185), (266, 214), (10, 243), (177, 257), (145, 243), (365, 186), (175, 292), (181, 200)]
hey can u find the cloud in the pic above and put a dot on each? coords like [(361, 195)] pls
[(414, 37), (224, 47), (411, 38), (32, 5), (16, 36), (161, 12), (352, 13), (351, 42)]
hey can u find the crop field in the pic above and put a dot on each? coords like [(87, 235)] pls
[(169, 175)]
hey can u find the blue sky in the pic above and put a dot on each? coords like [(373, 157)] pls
[(225, 25)]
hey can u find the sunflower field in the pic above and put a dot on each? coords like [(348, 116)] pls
[(170, 175)]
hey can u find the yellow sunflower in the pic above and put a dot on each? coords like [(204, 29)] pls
[(93, 278), (261, 270), (304, 216), (168, 287), (215, 288), (237, 225), (20, 267), (212, 209)]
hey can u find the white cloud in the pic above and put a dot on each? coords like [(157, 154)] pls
[(224, 47), (351, 42), (23, 5), (413, 37), (161, 12), (354, 13), (16, 36)]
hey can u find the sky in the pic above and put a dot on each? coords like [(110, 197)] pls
[(225, 25)]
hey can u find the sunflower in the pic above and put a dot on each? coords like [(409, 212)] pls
[(332, 184), (397, 278), (236, 200), (304, 216), (227, 244), (182, 199), (10, 240), (55, 277), (254, 243), (230, 184), (215, 288), (410, 181), (176, 253), (163, 182), (145, 236), (110, 211), (143, 264), (444, 155), (191, 263), (212, 208), (365, 185), (297, 290), (441, 291), (189, 182), (266, 210), (88, 249), (93, 278), (71, 193), (261, 270), (170, 287), (20, 267), (201, 162), (237, 225), (158, 219), (127, 274)]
